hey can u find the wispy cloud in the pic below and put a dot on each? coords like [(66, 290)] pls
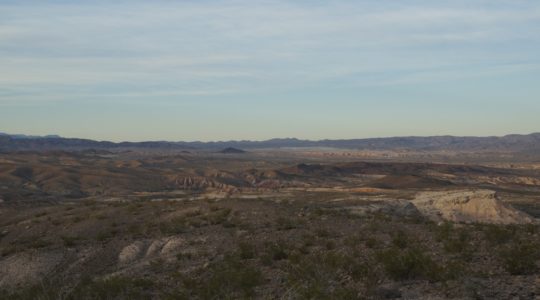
[(215, 46)]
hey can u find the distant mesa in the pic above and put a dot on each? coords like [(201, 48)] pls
[(231, 150)]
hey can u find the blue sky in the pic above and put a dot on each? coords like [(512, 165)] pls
[(220, 70)]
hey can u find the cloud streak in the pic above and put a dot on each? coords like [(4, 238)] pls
[(259, 43), (208, 51)]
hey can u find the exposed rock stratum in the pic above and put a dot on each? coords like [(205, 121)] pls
[(469, 206)]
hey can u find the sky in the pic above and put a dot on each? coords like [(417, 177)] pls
[(222, 70)]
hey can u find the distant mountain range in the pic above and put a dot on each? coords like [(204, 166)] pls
[(513, 143)]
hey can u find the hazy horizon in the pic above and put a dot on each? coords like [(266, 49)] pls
[(261, 140), (245, 70)]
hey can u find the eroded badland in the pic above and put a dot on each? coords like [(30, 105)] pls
[(270, 224)]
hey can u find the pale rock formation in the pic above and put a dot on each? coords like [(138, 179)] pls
[(469, 206), (142, 250), (131, 252)]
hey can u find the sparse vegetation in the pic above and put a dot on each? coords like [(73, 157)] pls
[(412, 263), (521, 257), (229, 278), (497, 234), (246, 250), (69, 241), (173, 244)]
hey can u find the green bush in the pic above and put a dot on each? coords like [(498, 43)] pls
[(113, 288), (69, 241), (285, 224), (246, 250), (175, 226), (217, 216), (330, 275), (274, 251), (105, 235), (230, 278), (42, 291), (411, 263), (400, 239), (371, 242), (498, 234), (458, 242), (520, 257), (443, 231)]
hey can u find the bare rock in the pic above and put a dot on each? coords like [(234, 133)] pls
[(131, 252), (172, 246), (482, 206), (155, 247)]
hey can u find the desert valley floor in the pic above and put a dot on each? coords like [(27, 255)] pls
[(287, 224)]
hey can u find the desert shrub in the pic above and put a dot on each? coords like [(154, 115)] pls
[(352, 241), (308, 240), (8, 250), (452, 270), (459, 242), (246, 250), (371, 242), (230, 278), (443, 231), (520, 257), (175, 226), (411, 263), (322, 233), (214, 208), (232, 222), (76, 219), (329, 275), (40, 214), (40, 291), (106, 234), (283, 223), (90, 202), (113, 288), (57, 221), (39, 243), (101, 216), (274, 251), (330, 245), (69, 241), (498, 234), (134, 229), (193, 213), (184, 255), (400, 239), (531, 228), (217, 216)]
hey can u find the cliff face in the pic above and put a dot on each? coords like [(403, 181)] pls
[(469, 206)]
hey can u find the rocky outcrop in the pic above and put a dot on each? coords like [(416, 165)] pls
[(197, 183), (401, 208), (143, 250), (469, 206)]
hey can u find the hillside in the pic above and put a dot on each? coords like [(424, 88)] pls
[(510, 143)]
